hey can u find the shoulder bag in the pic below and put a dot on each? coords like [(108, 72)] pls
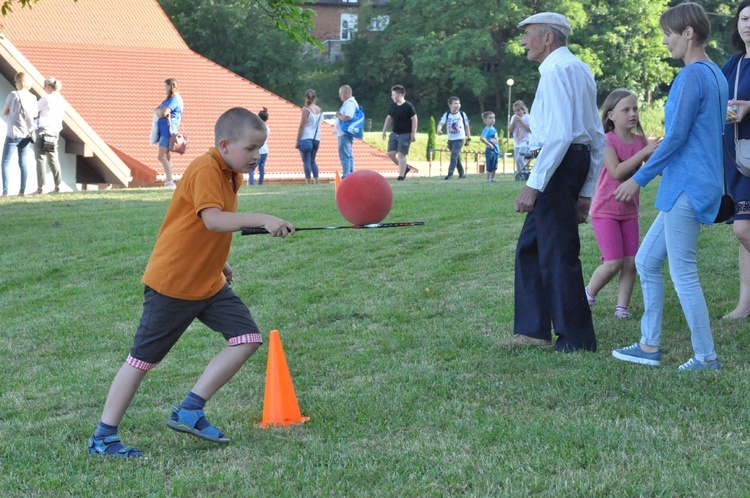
[(177, 141), (726, 205)]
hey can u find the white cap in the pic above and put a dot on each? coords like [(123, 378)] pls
[(553, 19)]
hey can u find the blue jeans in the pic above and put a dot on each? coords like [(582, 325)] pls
[(10, 145), (345, 154), (490, 160), (261, 165), (674, 237), (308, 160)]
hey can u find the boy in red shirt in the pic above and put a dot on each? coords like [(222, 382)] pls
[(188, 277)]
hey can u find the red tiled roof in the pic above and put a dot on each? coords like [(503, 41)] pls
[(113, 57)]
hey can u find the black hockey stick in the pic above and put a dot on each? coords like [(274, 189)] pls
[(256, 231)]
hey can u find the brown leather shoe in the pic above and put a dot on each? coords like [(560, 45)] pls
[(519, 340)]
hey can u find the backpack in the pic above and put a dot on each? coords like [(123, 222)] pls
[(355, 126), (463, 118)]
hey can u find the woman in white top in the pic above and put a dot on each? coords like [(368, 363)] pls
[(308, 136), (21, 109), (51, 113)]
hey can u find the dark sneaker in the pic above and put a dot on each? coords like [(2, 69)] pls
[(447, 177), (634, 354), (693, 364), (112, 446)]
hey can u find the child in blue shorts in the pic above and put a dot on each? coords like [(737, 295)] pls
[(188, 277), (489, 138)]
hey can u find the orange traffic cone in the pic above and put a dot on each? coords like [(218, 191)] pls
[(336, 185), (280, 405)]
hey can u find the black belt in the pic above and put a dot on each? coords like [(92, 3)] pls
[(580, 147), (574, 147)]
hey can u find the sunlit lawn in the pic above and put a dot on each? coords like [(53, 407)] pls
[(393, 341)]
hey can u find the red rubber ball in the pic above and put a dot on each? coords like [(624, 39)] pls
[(364, 197)]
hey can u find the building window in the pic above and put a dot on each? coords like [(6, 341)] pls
[(378, 23), (348, 26), (349, 1)]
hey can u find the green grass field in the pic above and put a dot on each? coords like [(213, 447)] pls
[(393, 341)]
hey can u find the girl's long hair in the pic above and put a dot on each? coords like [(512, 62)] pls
[(609, 104), (520, 104)]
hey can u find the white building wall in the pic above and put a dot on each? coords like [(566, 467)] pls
[(67, 161)]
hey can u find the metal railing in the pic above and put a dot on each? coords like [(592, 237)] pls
[(506, 164)]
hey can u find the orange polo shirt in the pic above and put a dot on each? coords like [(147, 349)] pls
[(188, 258)]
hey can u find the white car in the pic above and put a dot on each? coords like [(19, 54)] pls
[(329, 117)]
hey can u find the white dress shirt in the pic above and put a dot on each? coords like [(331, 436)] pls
[(564, 112), (51, 112)]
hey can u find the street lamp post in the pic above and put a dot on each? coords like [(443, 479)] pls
[(510, 89)]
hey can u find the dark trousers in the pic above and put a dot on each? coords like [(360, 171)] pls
[(455, 147), (549, 288)]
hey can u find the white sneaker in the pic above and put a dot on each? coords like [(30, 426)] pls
[(170, 185)]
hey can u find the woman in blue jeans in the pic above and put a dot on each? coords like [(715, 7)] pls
[(21, 109), (308, 136), (690, 161)]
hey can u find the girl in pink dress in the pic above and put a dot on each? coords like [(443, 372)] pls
[(616, 223)]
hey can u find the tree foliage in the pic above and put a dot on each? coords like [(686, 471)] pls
[(470, 49), (6, 6), (287, 16), (431, 138), (243, 36), (438, 49)]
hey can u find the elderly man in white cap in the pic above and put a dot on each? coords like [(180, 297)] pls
[(567, 133)]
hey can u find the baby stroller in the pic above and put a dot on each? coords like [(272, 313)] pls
[(528, 158)]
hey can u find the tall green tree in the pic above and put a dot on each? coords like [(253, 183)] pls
[(287, 16), (621, 42), (470, 49), (240, 35), (439, 49)]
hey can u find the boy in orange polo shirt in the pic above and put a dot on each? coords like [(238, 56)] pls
[(188, 277)]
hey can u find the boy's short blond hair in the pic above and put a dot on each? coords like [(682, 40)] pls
[(234, 123), (487, 114), (453, 99)]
